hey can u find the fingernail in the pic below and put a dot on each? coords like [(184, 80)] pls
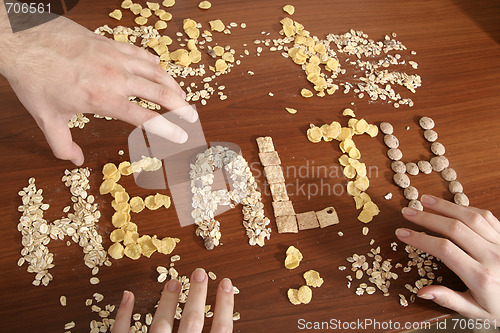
[(408, 211), (199, 275), (226, 285), (402, 232), (183, 137), (126, 296), (428, 199), (426, 296), (157, 59), (173, 285), (183, 95)]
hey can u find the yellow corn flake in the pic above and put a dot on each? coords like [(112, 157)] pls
[(372, 130), (218, 50), (345, 133), (116, 189), (108, 170), (150, 203), (126, 4), (152, 43), (366, 198), (153, 5), (291, 110), (372, 208), (314, 134), (137, 204), (129, 226), (141, 20), (125, 168), (217, 25), (147, 247), (289, 9), (347, 145), (332, 64), (192, 32), (220, 66), (116, 251), (133, 251), (354, 153), (362, 183), (130, 237), (195, 56), (162, 200), (286, 21), (107, 186), (168, 3), (320, 48), (165, 245), (313, 279), (289, 30), (204, 5), (160, 25), (293, 257), (361, 126), (177, 55), (352, 190), (228, 57), (120, 207), (117, 235), (344, 160), (360, 167), (116, 14), (121, 38), (160, 49), (165, 16), (121, 197), (312, 69), (292, 296), (304, 295), (165, 40), (349, 171), (348, 112), (306, 93), (365, 216), (135, 8), (359, 202), (120, 218), (191, 45), (145, 12)]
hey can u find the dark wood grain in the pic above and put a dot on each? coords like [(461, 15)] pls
[(458, 55)]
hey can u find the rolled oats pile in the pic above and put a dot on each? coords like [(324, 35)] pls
[(79, 225), (244, 190)]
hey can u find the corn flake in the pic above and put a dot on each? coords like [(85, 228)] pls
[(348, 112), (217, 25), (314, 134), (165, 16), (165, 245), (130, 237), (140, 20), (117, 235), (121, 197), (313, 279), (293, 257), (292, 296), (291, 110), (168, 3), (116, 251), (107, 186), (133, 251), (289, 9), (120, 218), (126, 4), (137, 204), (135, 8), (204, 5), (125, 168), (116, 14), (147, 247), (304, 295), (160, 25)]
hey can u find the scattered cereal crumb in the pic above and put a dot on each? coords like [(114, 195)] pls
[(289, 9), (388, 196)]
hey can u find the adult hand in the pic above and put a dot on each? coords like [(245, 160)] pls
[(193, 314), (60, 68), (471, 249)]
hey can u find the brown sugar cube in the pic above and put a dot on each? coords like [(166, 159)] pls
[(307, 220), (278, 192), (283, 208), (287, 224), (269, 158), (274, 174), (265, 144), (327, 217)]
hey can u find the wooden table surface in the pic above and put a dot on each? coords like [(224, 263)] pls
[(457, 45)]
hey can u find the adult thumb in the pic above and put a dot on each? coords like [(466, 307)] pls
[(59, 138)]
